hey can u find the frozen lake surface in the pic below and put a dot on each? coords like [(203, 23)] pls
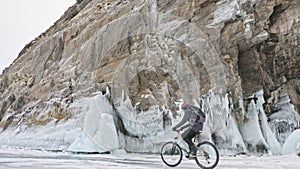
[(31, 159)]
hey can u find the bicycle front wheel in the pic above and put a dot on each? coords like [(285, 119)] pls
[(207, 156), (171, 154)]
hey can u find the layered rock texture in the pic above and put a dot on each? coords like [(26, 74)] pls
[(156, 52)]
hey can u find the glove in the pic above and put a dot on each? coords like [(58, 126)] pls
[(174, 129)]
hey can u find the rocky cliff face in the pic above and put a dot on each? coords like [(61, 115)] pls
[(156, 52)]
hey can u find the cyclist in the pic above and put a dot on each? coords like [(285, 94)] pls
[(194, 117)]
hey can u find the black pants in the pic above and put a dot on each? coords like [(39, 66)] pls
[(187, 137)]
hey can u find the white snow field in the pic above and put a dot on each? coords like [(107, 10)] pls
[(31, 159)]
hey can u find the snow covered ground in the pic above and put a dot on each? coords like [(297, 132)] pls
[(29, 159)]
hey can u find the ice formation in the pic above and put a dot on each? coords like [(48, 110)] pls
[(292, 142), (256, 131), (53, 136), (285, 120), (95, 127), (92, 129), (221, 125), (143, 124), (98, 126)]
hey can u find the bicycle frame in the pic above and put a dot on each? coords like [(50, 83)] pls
[(179, 140)]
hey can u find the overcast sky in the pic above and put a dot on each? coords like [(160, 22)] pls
[(22, 21)]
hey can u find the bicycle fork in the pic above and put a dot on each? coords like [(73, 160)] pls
[(173, 148)]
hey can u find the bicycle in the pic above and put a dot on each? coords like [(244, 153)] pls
[(206, 157)]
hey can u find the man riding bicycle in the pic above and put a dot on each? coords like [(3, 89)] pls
[(195, 118)]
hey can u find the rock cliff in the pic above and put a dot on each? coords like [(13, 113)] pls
[(154, 53)]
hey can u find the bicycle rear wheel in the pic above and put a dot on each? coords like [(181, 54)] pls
[(207, 156), (171, 154)]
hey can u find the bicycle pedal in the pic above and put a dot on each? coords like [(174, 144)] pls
[(192, 156)]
